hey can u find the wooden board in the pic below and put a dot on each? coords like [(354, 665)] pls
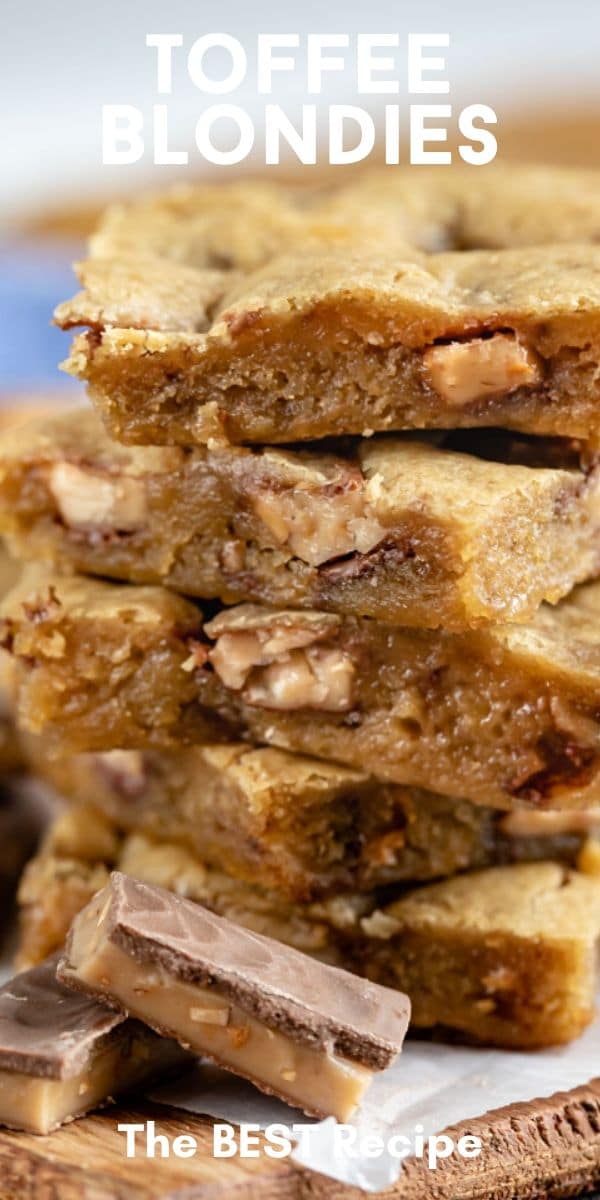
[(544, 1150)]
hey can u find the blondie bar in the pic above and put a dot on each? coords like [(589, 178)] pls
[(331, 339), (11, 757), (401, 530), (503, 715), (515, 949), (507, 956), (302, 827)]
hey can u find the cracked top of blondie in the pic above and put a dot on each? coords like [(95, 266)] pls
[(245, 223), (253, 312)]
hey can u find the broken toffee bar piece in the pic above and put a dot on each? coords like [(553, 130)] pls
[(506, 956), (307, 1032), (397, 529), (332, 339), (301, 826), (501, 716), (62, 1054)]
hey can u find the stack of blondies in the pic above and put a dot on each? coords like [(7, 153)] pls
[(310, 632)]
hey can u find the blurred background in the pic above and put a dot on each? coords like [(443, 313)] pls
[(534, 62)]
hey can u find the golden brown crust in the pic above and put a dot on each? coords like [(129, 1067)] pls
[(508, 952), (245, 223), (325, 342)]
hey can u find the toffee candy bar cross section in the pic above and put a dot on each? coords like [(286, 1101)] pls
[(307, 1032)]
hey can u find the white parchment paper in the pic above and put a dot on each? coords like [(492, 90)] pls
[(430, 1085)]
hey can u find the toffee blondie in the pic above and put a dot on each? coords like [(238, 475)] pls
[(244, 224), (500, 716), (304, 828), (82, 846), (335, 339), (109, 647), (402, 530), (507, 956)]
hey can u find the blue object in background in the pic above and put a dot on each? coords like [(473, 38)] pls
[(34, 278)]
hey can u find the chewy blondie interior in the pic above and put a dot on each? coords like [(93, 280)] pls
[(500, 716), (411, 532), (109, 647)]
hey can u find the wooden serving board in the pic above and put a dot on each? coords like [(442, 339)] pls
[(537, 1151)]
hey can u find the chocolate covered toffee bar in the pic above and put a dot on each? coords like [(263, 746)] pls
[(300, 826), (62, 1054), (397, 529), (500, 716), (299, 1029), (507, 956), (353, 338)]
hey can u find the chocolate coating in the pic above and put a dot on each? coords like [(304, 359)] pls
[(46, 1030)]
